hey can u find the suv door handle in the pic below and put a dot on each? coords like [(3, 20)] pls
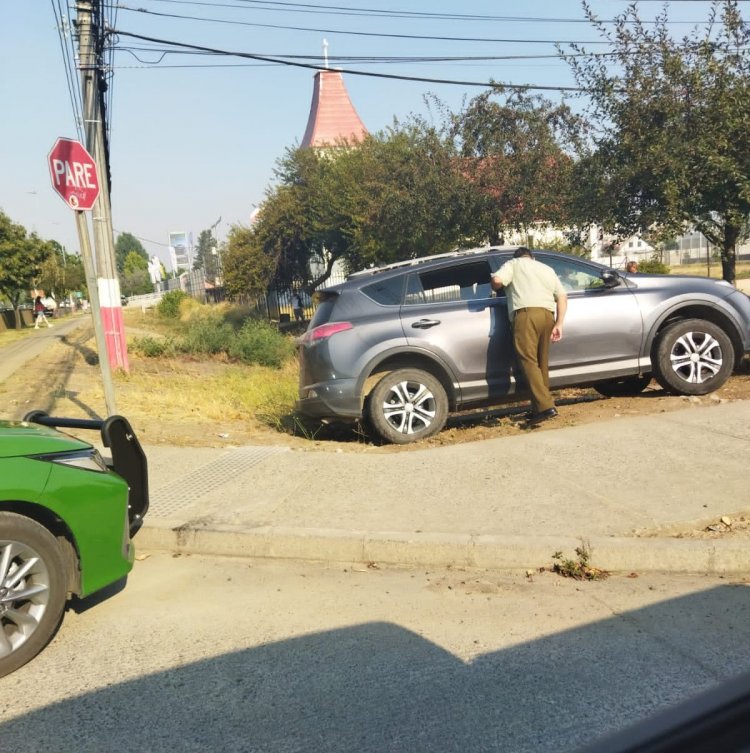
[(425, 323)]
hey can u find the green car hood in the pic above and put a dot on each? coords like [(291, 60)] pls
[(18, 438)]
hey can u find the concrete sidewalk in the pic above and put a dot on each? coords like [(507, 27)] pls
[(504, 503)]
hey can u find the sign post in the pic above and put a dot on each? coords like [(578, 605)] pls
[(74, 178)]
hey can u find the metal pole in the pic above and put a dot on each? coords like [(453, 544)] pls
[(93, 289), (106, 268)]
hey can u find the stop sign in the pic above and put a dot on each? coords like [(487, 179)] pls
[(73, 173)]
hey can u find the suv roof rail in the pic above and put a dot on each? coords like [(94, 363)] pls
[(422, 259)]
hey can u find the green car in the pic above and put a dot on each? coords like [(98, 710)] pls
[(67, 518)]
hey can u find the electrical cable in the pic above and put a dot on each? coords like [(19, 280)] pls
[(349, 71), (356, 33)]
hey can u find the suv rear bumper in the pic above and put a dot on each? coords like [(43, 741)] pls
[(330, 400)]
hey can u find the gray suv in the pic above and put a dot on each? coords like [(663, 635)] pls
[(403, 345)]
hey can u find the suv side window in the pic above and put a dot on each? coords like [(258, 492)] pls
[(386, 292), (460, 282), (573, 275)]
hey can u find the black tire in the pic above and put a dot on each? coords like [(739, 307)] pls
[(407, 405), (693, 357), (624, 387), (31, 606)]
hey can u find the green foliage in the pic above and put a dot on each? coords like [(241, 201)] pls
[(207, 254), (672, 142), (205, 330), (153, 347), (258, 342), (169, 305), (566, 247), (654, 266), (249, 268), (517, 152), (207, 336), (22, 259), (125, 244), (134, 262), (61, 273), (137, 282)]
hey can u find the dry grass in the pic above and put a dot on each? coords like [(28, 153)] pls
[(207, 390), (742, 270)]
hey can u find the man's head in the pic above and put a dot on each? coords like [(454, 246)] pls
[(523, 251)]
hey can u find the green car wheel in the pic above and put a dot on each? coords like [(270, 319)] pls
[(32, 589)]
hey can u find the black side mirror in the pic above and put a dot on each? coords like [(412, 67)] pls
[(610, 278)]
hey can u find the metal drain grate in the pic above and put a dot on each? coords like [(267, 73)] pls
[(191, 487)]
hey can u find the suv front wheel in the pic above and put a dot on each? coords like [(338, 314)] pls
[(407, 405), (693, 357)]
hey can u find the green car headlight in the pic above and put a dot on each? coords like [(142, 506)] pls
[(88, 460)]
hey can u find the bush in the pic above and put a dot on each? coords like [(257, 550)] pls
[(152, 347), (653, 267), (259, 342), (169, 305), (189, 308), (207, 336)]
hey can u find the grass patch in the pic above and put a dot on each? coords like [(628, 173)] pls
[(214, 392)]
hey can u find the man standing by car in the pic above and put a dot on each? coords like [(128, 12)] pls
[(537, 303)]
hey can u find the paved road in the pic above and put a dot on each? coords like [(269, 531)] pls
[(216, 654), (18, 353)]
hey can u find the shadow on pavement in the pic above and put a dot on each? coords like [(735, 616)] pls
[(377, 687)]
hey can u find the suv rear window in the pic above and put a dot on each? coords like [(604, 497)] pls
[(386, 292)]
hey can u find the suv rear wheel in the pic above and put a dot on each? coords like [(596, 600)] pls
[(693, 357), (407, 405)]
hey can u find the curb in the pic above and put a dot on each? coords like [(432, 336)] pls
[(486, 552)]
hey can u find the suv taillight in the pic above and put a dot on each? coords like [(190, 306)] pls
[(324, 331)]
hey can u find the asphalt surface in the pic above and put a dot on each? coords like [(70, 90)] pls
[(625, 488)]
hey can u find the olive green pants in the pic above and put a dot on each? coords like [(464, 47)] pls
[(532, 328)]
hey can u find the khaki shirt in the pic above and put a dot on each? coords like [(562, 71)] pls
[(530, 284)]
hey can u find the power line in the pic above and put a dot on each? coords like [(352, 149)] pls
[(343, 32), (340, 10), (348, 71)]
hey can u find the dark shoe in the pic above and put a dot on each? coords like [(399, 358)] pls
[(538, 418)]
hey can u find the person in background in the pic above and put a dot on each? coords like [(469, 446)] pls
[(631, 266), (298, 306), (537, 303), (39, 312)]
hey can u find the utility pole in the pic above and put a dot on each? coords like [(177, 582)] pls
[(88, 23)]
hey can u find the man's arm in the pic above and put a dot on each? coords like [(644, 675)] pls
[(496, 282), (562, 307)]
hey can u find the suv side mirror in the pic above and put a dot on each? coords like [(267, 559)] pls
[(610, 278)]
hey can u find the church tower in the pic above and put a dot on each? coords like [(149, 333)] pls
[(332, 114)]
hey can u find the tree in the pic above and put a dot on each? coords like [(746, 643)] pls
[(394, 196), (134, 278), (61, 273), (518, 154), (125, 244), (207, 254), (248, 269), (671, 148), (21, 259)]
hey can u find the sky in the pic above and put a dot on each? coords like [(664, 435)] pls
[(195, 138)]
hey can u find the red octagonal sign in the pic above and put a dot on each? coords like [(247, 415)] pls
[(73, 173)]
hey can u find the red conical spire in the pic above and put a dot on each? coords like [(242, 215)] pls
[(332, 114)]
